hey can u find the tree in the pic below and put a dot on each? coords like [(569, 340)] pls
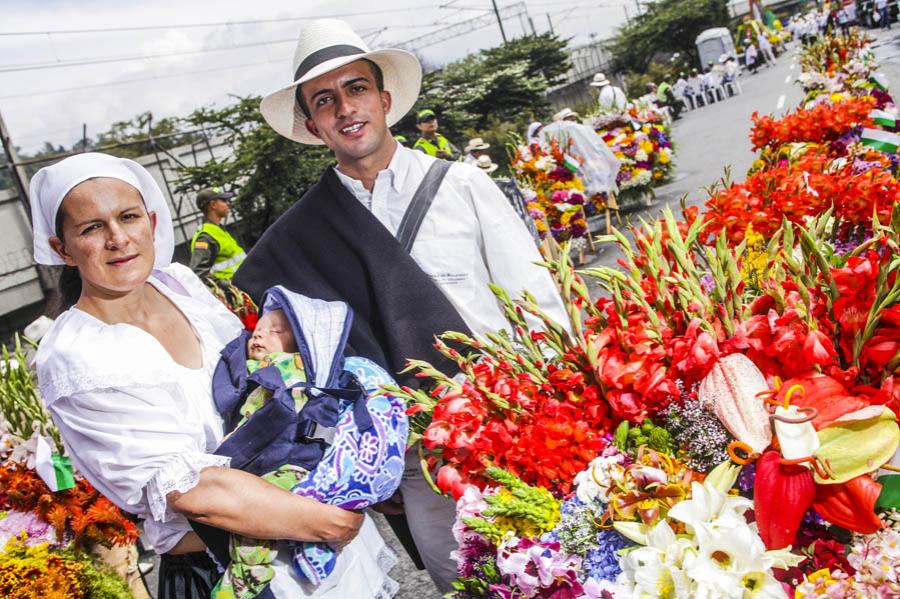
[(266, 171), (667, 27), (133, 136), (506, 84), (544, 54)]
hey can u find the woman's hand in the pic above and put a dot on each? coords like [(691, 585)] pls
[(246, 504), (351, 523)]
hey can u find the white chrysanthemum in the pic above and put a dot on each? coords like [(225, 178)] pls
[(594, 482)]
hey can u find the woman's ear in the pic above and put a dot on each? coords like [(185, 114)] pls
[(153, 219), (60, 248)]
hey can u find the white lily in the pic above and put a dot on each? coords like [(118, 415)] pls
[(707, 505), (655, 570)]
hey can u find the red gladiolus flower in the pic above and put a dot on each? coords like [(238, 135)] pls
[(818, 349), (449, 479)]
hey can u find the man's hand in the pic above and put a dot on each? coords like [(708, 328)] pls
[(443, 154), (392, 506)]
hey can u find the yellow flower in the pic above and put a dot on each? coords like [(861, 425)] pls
[(755, 261), (664, 158)]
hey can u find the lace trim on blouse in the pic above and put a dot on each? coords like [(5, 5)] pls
[(181, 474)]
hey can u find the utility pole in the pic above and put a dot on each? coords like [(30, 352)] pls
[(17, 172), (627, 17), (499, 20), (531, 22), (637, 3), (550, 22)]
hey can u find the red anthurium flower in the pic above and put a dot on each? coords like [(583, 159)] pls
[(830, 399), (850, 505), (781, 495)]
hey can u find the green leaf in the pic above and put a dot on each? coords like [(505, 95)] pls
[(621, 435), (890, 492)]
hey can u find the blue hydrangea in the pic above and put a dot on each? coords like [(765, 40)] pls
[(577, 528), (602, 563)]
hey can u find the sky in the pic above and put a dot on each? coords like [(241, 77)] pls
[(174, 66)]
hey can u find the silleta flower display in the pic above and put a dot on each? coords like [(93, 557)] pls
[(722, 421)]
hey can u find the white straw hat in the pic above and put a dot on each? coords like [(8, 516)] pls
[(600, 80), (485, 163), (564, 114), (325, 45), (476, 143)]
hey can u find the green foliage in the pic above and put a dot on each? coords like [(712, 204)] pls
[(99, 579), (544, 54), (667, 27), (21, 410), (629, 437), (495, 90), (267, 172)]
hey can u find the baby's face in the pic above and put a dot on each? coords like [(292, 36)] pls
[(272, 334)]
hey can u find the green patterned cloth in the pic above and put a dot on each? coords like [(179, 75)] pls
[(250, 569)]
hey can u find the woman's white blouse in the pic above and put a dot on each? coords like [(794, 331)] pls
[(137, 424)]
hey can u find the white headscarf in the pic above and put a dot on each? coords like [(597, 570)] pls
[(51, 184), (532, 130)]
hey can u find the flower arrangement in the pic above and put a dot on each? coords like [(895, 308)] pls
[(824, 122), (721, 422), (30, 570), (556, 195), (641, 141), (833, 156), (49, 534)]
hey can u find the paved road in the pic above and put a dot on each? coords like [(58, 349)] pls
[(708, 140), (713, 138)]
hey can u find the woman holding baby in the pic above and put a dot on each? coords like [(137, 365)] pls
[(126, 374)]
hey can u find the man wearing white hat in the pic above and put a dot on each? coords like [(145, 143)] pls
[(475, 149), (566, 114), (612, 98), (410, 242)]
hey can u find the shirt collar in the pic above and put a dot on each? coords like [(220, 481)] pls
[(397, 169)]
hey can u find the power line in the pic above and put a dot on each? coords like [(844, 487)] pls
[(136, 80), (36, 66), (210, 24)]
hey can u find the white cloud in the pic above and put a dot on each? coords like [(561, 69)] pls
[(172, 86)]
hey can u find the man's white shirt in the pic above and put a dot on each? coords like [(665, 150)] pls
[(469, 238), (612, 98)]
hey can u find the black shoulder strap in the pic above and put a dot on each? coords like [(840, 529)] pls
[(420, 203)]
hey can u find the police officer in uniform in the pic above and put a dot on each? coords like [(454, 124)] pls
[(431, 142), (213, 250)]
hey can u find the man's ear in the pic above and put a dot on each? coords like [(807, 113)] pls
[(59, 247), (312, 128), (386, 101)]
